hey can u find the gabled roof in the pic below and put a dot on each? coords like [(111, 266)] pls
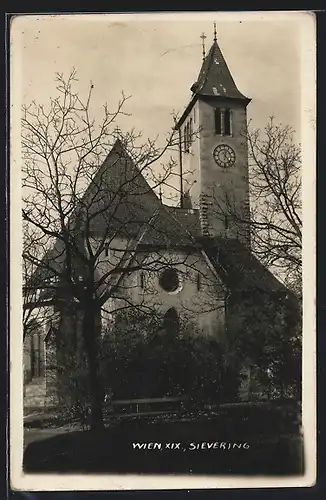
[(119, 199)]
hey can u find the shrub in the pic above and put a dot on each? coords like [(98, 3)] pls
[(142, 360)]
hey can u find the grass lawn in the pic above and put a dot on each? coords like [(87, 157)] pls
[(245, 451)]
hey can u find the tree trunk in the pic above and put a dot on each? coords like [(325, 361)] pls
[(90, 336)]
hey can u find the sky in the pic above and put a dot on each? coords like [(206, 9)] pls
[(156, 59)]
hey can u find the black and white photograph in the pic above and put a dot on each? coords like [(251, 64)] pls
[(162, 249)]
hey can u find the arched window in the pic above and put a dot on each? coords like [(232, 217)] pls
[(198, 281), (186, 138), (142, 279), (32, 357), (171, 321), (36, 355), (190, 131), (226, 222)]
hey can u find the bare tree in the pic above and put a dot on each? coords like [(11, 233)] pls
[(274, 220), (30, 309), (276, 200), (35, 310), (95, 218)]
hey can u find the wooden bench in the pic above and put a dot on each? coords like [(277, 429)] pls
[(148, 406)]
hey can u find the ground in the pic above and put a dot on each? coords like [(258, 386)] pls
[(198, 444)]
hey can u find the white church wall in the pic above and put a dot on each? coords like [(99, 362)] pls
[(198, 299), (111, 255), (190, 160), (218, 182)]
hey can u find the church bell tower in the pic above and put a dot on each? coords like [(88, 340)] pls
[(213, 149)]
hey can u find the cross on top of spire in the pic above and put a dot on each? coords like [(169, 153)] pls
[(215, 33), (203, 37)]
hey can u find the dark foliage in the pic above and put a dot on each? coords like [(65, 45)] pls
[(265, 332), (164, 362)]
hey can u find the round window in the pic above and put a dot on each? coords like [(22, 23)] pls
[(169, 280)]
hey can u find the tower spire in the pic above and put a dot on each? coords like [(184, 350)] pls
[(214, 78), (215, 33), (203, 36)]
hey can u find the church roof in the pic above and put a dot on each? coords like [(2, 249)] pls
[(214, 78), (239, 269), (119, 198), (187, 218), (173, 227)]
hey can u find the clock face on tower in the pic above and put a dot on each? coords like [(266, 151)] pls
[(224, 155)]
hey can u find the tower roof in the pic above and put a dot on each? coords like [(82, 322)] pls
[(119, 196), (215, 79)]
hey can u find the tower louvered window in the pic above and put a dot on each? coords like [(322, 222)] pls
[(218, 121), (227, 122), (223, 121)]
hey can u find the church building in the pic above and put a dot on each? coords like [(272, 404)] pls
[(193, 261)]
